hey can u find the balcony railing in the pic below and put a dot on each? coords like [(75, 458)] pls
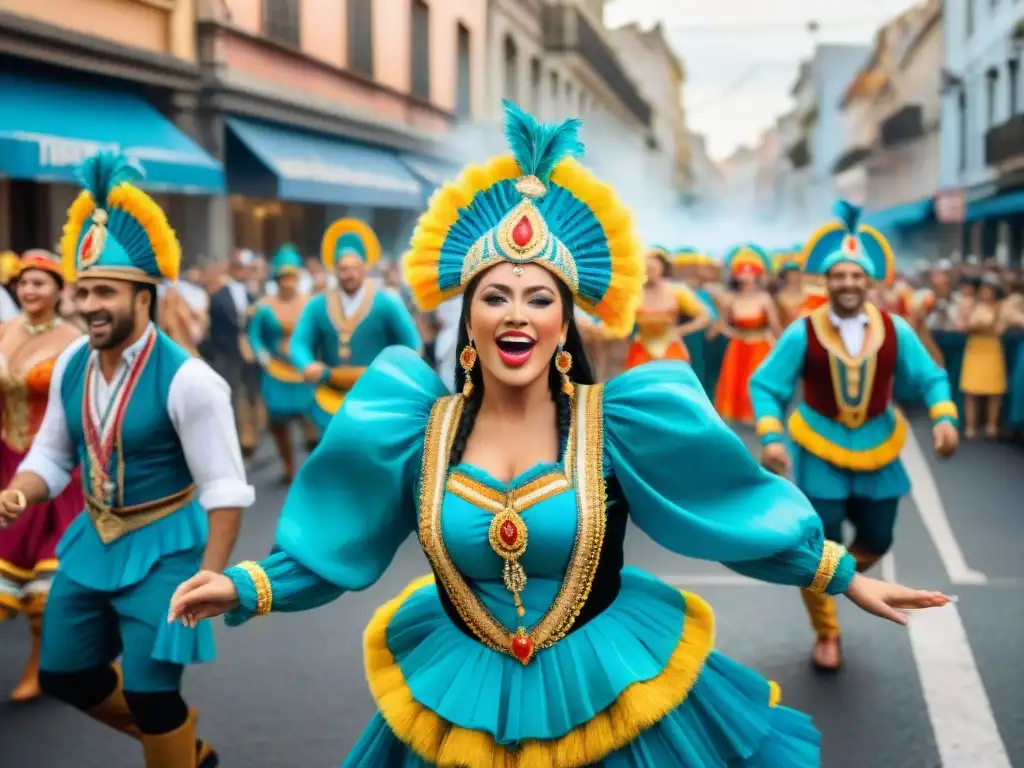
[(568, 30), (902, 126), (1005, 143), (799, 154)]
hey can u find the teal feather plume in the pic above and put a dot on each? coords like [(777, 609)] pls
[(104, 171), (848, 214), (539, 147)]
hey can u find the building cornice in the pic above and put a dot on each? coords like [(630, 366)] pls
[(37, 41)]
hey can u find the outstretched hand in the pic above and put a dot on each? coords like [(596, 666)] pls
[(205, 595), (888, 601)]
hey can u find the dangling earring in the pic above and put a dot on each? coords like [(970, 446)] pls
[(467, 359), (563, 364)]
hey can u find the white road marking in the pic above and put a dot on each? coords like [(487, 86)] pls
[(933, 514), (963, 724)]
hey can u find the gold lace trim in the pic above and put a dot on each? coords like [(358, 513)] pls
[(584, 456)]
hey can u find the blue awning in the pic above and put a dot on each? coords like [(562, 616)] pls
[(431, 170), (320, 169), (1005, 204), (48, 127), (905, 215)]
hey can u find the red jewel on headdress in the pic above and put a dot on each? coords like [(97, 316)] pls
[(522, 233), (851, 244), (87, 243)]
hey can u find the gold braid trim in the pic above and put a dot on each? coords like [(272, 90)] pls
[(769, 425), (261, 582), (831, 554), (446, 745), (945, 408)]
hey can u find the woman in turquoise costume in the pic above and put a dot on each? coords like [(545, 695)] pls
[(531, 644), (286, 395)]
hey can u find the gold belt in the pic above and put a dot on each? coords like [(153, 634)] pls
[(344, 377), (114, 522)]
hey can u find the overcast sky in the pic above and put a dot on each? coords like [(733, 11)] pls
[(741, 56)]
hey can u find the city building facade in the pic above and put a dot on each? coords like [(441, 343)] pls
[(658, 72), (815, 131), (982, 149), (126, 71), (890, 159), (555, 59), (303, 110)]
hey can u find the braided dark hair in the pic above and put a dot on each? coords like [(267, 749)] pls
[(581, 373)]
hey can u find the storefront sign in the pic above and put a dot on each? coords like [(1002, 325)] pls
[(60, 152), (951, 206), (318, 171)]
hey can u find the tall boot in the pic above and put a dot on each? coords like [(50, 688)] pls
[(283, 441), (827, 653), (113, 711), (28, 688), (179, 748)]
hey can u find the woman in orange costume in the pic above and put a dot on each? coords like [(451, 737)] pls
[(29, 347), (751, 321), (667, 313)]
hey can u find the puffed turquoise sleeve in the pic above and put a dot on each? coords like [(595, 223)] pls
[(692, 485), (258, 333), (918, 377), (773, 383), (353, 502), (403, 327), (304, 342)]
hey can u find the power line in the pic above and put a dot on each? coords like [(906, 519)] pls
[(740, 83), (809, 25)]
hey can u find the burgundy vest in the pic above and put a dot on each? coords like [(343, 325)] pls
[(819, 393)]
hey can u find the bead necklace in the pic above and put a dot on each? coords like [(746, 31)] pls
[(35, 330)]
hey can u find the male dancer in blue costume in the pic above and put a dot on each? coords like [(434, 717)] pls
[(341, 332), (153, 431), (850, 357)]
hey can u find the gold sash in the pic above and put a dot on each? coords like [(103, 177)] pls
[(114, 522)]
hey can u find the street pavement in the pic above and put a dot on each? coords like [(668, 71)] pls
[(948, 692)]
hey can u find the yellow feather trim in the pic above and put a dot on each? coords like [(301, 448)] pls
[(883, 243), (815, 238), (446, 745), (153, 220), (617, 307), (329, 241), (78, 214), (882, 455)]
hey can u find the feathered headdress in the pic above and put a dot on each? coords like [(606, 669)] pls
[(286, 261), (848, 240), (748, 258), (349, 237), (116, 230), (538, 205), (40, 259)]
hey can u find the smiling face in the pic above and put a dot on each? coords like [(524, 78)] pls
[(38, 291), (109, 309), (847, 287), (351, 272), (517, 322)]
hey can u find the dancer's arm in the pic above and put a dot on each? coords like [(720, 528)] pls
[(692, 485)]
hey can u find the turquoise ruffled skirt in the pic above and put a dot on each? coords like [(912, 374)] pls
[(637, 687), (285, 400)]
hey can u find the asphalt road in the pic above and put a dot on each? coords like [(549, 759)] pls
[(949, 692)]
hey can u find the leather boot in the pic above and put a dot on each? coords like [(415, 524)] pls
[(179, 748), (174, 749), (28, 688), (113, 711)]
